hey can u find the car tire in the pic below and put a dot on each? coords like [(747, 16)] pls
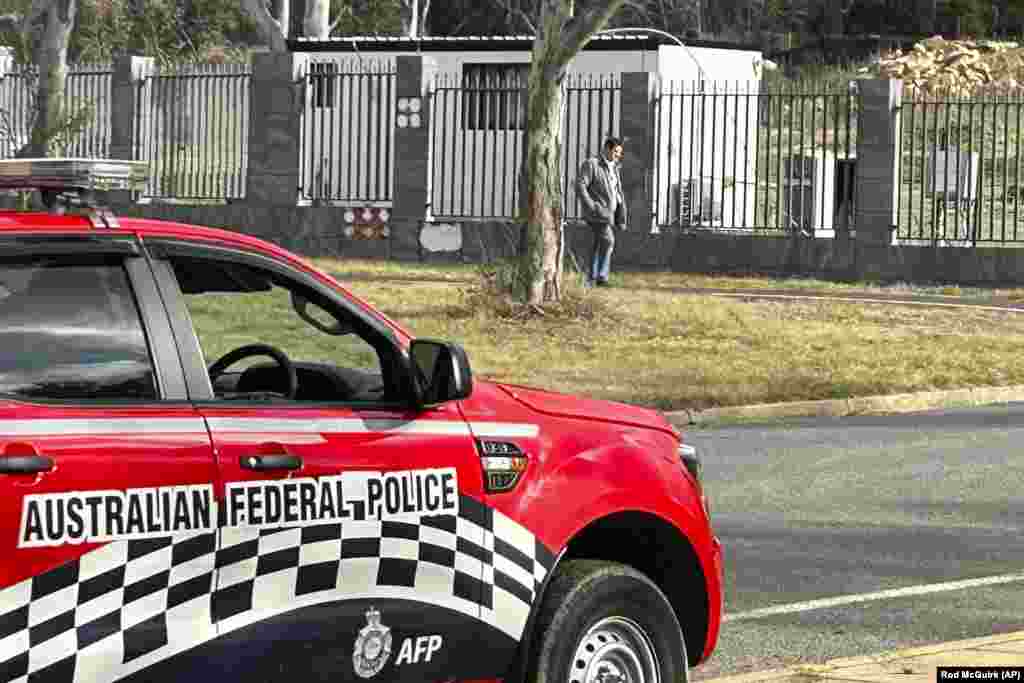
[(604, 616)]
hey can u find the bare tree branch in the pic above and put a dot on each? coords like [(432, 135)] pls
[(10, 22), (35, 10), (268, 25), (408, 11), (424, 13), (461, 25), (334, 24), (580, 28), (517, 11), (526, 20)]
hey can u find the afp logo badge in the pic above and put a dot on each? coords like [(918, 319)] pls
[(373, 646)]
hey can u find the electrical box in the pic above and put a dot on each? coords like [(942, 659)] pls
[(809, 185), (954, 175)]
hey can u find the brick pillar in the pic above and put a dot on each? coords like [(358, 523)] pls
[(128, 72), (638, 92), (878, 162), (413, 161), (124, 86), (276, 104)]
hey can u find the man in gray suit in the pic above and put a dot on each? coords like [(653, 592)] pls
[(599, 188)]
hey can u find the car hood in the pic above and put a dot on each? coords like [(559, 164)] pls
[(568, 405)]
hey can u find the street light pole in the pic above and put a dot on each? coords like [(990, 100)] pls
[(659, 32)]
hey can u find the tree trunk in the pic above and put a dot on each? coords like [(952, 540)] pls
[(543, 249), (424, 25), (560, 36), (1002, 17), (52, 62), (318, 19), (409, 13), (298, 14), (282, 12)]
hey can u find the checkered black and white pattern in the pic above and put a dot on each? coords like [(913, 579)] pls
[(108, 611), (130, 604), (479, 563)]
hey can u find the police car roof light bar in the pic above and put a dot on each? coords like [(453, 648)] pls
[(69, 182)]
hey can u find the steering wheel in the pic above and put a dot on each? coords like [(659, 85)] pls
[(232, 357)]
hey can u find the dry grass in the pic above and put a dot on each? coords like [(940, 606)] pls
[(642, 343), (660, 279)]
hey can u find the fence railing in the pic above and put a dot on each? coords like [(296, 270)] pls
[(590, 115), (192, 126), (479, 141), (347, 131), (87, 86), (778, 159), (960, 170), (733, 155)]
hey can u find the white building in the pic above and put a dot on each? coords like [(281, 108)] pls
[(479, 117)]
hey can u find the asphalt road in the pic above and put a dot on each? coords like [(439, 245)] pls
[(906, 529)]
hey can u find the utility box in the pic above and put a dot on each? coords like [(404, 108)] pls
[(713, 203), (698, 203), (954, 175), (809, 185)]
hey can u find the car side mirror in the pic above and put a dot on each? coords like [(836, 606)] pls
[(442, 371)]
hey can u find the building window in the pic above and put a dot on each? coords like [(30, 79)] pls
[(323, 78), (494, 96)]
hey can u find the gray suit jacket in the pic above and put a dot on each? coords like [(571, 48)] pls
[(600, 193)]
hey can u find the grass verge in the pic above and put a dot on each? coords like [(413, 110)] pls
[(641, 342)]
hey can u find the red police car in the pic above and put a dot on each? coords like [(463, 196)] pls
[(180, 499)]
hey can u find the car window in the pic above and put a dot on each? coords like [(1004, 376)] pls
[(70, 329), (234, 306)]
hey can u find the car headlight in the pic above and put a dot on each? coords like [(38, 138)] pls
[(691, 461)]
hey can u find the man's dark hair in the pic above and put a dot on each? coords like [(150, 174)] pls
[(612, 142)]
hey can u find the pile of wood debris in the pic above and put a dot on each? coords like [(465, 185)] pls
[(955, 68)]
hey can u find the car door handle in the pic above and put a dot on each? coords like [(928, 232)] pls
[(25, 464), (281, 461)]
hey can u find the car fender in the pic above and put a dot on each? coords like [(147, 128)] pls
[(619, 477), (587, 494)]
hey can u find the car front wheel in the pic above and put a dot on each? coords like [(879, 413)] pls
[(604, 622)]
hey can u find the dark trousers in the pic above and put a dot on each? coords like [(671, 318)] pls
[(601, 255)]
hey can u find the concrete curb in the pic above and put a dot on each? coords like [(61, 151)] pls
[(822, 671), (867, 405)]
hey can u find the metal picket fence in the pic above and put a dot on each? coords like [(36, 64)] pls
[(347, 131), (960, 170), (87, 87), (192, 126), (740, 156)]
